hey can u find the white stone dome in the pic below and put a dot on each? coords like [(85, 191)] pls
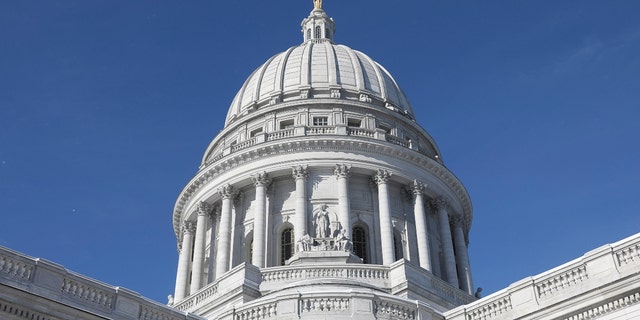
[(318, 68)]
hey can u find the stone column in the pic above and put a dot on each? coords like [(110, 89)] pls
[(182, 277), (300, 174), (342, 173), (261, 182), (417, 190), (197, 273), (386, 228), (462, 254), (227, 193), (447, 244), (215, 214)]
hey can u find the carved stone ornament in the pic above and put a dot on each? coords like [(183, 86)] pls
[(342, 170), (456, 221), (335, 93), (365, 97), (261, 179), (189, 227), (323, 223), (382, 176), (299, 172), (203, 208), (227, 191), (440, 202), (416, 188)]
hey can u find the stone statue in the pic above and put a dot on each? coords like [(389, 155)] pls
[(305, 243), (342, 241), (170, 298), (478, 293), (317, 4), (322, 223)]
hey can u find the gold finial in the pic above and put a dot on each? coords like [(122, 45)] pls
[(317, 4)]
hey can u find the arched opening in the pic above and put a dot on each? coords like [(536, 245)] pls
[(308, 33), (286, 245), (318, 34), (359, 235)]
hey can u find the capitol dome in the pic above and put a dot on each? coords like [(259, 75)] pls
[(319, 68)]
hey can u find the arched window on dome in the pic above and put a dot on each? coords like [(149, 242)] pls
[(326, 33), (359, 235), (286, 245), (397, 244), (308, 33), (318, 34)]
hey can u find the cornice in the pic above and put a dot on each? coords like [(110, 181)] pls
[(305, 144)]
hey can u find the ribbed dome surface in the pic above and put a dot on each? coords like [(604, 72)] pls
[(320, 67)]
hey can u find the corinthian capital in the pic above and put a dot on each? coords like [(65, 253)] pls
[(342, 170), (456, 221), (261, 179), (299, 172), (188, 227), (440, 202), (382, 176), (227, 191), (203, 208), (416, 188)]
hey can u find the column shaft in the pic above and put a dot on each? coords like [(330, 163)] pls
[(421, 225), (462, 256), (261, 181), (300, 221), (197, 273), (224, 231), (384, 210), (182, 276), (447, 244), (344, 206)]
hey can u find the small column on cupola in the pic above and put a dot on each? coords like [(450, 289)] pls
[(318, 26)]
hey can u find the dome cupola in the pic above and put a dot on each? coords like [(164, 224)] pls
[(318, 26)]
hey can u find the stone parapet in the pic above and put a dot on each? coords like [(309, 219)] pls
[(40, 279), (602, 281)]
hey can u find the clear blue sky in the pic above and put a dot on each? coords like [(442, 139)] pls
[(107, 106)]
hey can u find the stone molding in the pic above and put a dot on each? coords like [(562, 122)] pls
[(608, 307)]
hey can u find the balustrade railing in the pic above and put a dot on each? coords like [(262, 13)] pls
[(273, 278), (281, 134), (321, 130), (360, 132)]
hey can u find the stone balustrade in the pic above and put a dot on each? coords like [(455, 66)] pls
[(47, 280), (277, 277), (315, 131), (618, 263)]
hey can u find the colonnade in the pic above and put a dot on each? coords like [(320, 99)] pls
[(453, 244)]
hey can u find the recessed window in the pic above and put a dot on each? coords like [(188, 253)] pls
[(255, 132), (320, 121), (308, 34), (286, 124), (318, 32), (286, 245), (360, 243), (386, 128), (354, 122)]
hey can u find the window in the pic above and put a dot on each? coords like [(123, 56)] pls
[(286, 124), (386, 128), (360, 243), (354, 122), (286, 245), (308, 34), (318, 32), (320, 121), (255, 132), (397, 243)]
